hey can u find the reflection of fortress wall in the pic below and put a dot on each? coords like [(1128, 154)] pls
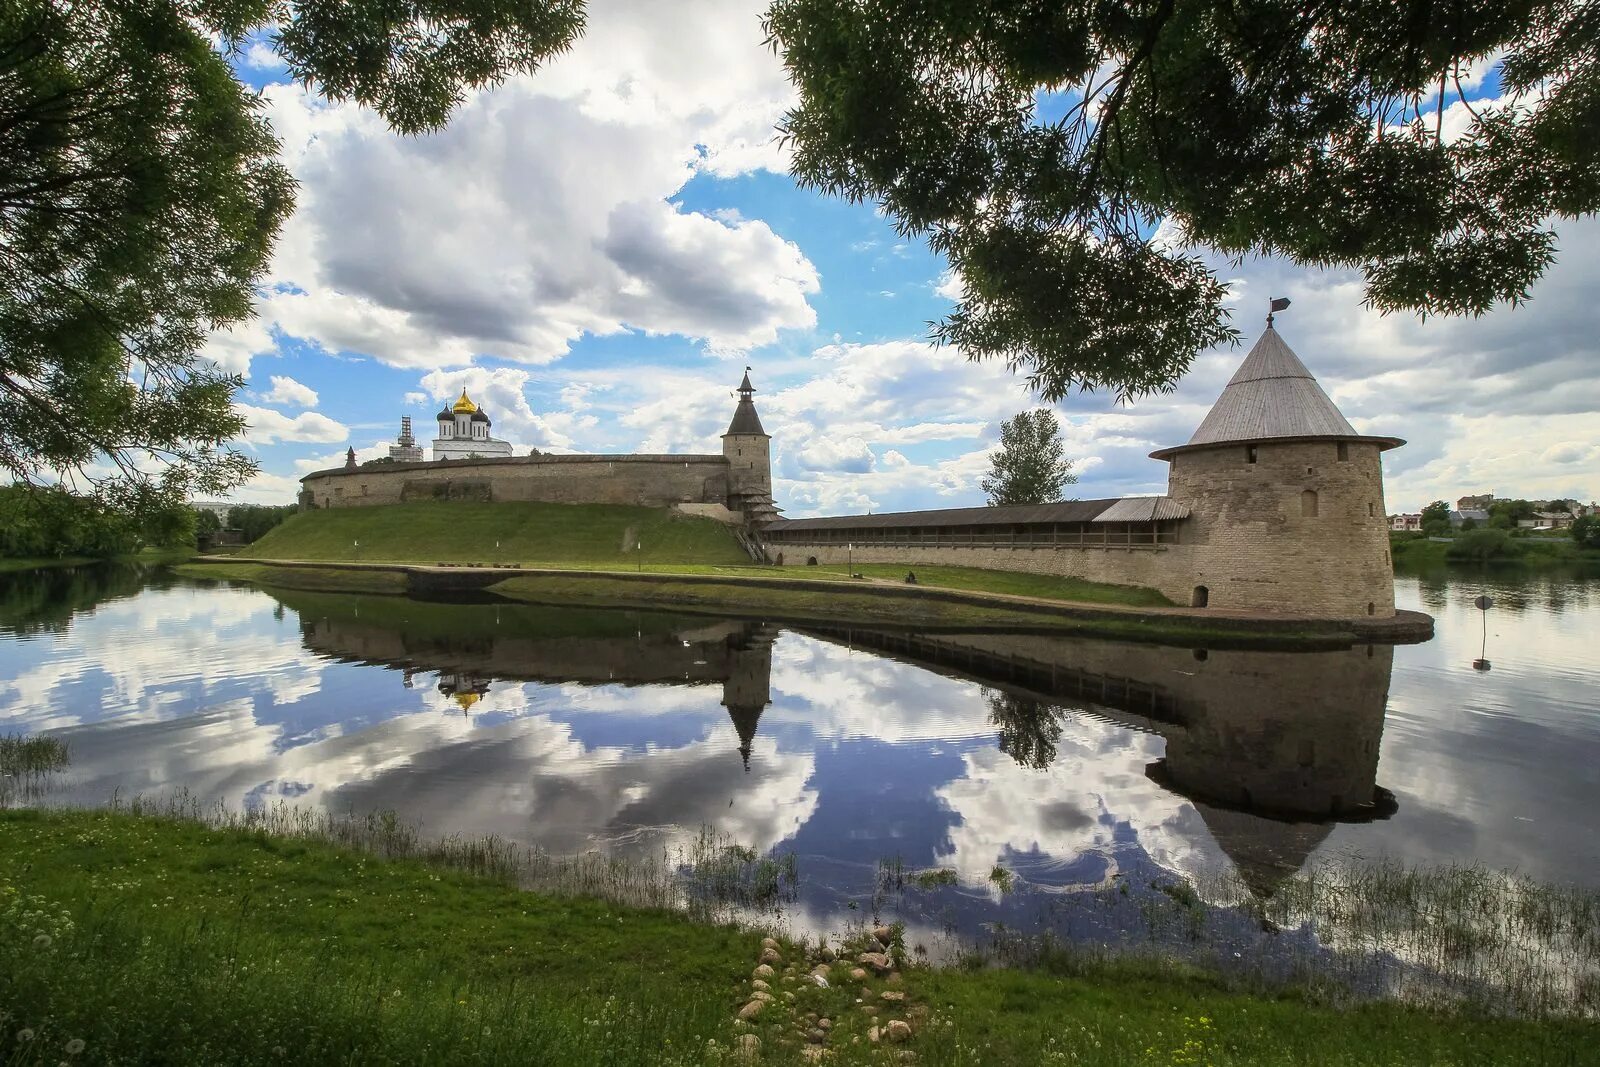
[(702, 655), (1292, 733)]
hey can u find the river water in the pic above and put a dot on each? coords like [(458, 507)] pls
[(1066, 762)]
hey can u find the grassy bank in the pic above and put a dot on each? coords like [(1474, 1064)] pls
[(603, 537), (592, 536), (149, 555), (859, 605), (314, 579), (156, 939), (1412, 550), (972, 579)]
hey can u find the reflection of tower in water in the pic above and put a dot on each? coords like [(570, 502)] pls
[(747, 690), (466, 688), (1272, 749)]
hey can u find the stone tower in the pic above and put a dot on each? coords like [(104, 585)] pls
[(1285, 497), (748, 450)]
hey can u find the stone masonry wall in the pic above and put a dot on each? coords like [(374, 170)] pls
[(1259, 542), (1165, 569), (749, 462), (650, 481)]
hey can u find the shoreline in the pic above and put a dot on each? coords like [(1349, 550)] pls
[(873, 602), (307, 938)]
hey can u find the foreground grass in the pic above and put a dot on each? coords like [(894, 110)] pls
[(593, 536), (161, 940)]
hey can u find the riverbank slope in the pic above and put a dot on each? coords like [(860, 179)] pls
[(135, 939)]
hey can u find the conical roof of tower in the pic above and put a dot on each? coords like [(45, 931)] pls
[(1272, 396), (745, 419)]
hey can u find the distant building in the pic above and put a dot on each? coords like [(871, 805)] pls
[(1477, 515), (1546, 520), (1480, 502), (1405, 523), (405, 448), (464, 433)]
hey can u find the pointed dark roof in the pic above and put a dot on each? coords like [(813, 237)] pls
[(745, 419), (1272, 396)]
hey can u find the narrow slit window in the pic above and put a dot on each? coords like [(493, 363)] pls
[(1308, 504), (1344, 452), (1250, 454)]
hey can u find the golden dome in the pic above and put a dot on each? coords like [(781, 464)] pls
[(466, 700), (464, 406)]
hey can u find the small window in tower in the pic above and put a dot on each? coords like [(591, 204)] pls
[(1308, 504), (1371, 513), (1250, 454), (1344, 452)]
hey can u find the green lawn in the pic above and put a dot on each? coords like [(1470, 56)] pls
[(857, 602), (593, 536), (1046, 586), (154, 940), (602, 537)]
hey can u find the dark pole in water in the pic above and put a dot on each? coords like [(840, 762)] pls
[(1483, 604)]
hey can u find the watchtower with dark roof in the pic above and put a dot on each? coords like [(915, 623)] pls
[(748, 449), (1285, 497)]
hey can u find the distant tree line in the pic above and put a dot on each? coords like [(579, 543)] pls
[(254, 520), (48, 522)]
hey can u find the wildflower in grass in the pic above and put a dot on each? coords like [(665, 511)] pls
[(42, 941), (75, 1046), (24, 1035)]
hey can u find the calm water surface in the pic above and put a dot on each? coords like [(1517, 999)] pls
[(1067, 761)]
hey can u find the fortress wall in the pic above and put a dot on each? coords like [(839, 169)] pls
[(649, 481), (1165, 569), (1256, 544)]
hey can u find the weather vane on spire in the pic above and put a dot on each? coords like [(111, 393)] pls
[(1279, 303)]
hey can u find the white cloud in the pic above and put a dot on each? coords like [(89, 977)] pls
[(544, 211), (259, 57), (231, 349), (267, 426), (290, 393)]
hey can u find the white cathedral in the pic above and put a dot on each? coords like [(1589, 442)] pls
[(463, 434)]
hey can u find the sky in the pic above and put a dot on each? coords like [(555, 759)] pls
[(595, 253)]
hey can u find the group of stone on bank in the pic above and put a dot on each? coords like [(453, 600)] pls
[(890, 1018)]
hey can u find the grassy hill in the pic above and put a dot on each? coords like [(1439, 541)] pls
[(569, 535)]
